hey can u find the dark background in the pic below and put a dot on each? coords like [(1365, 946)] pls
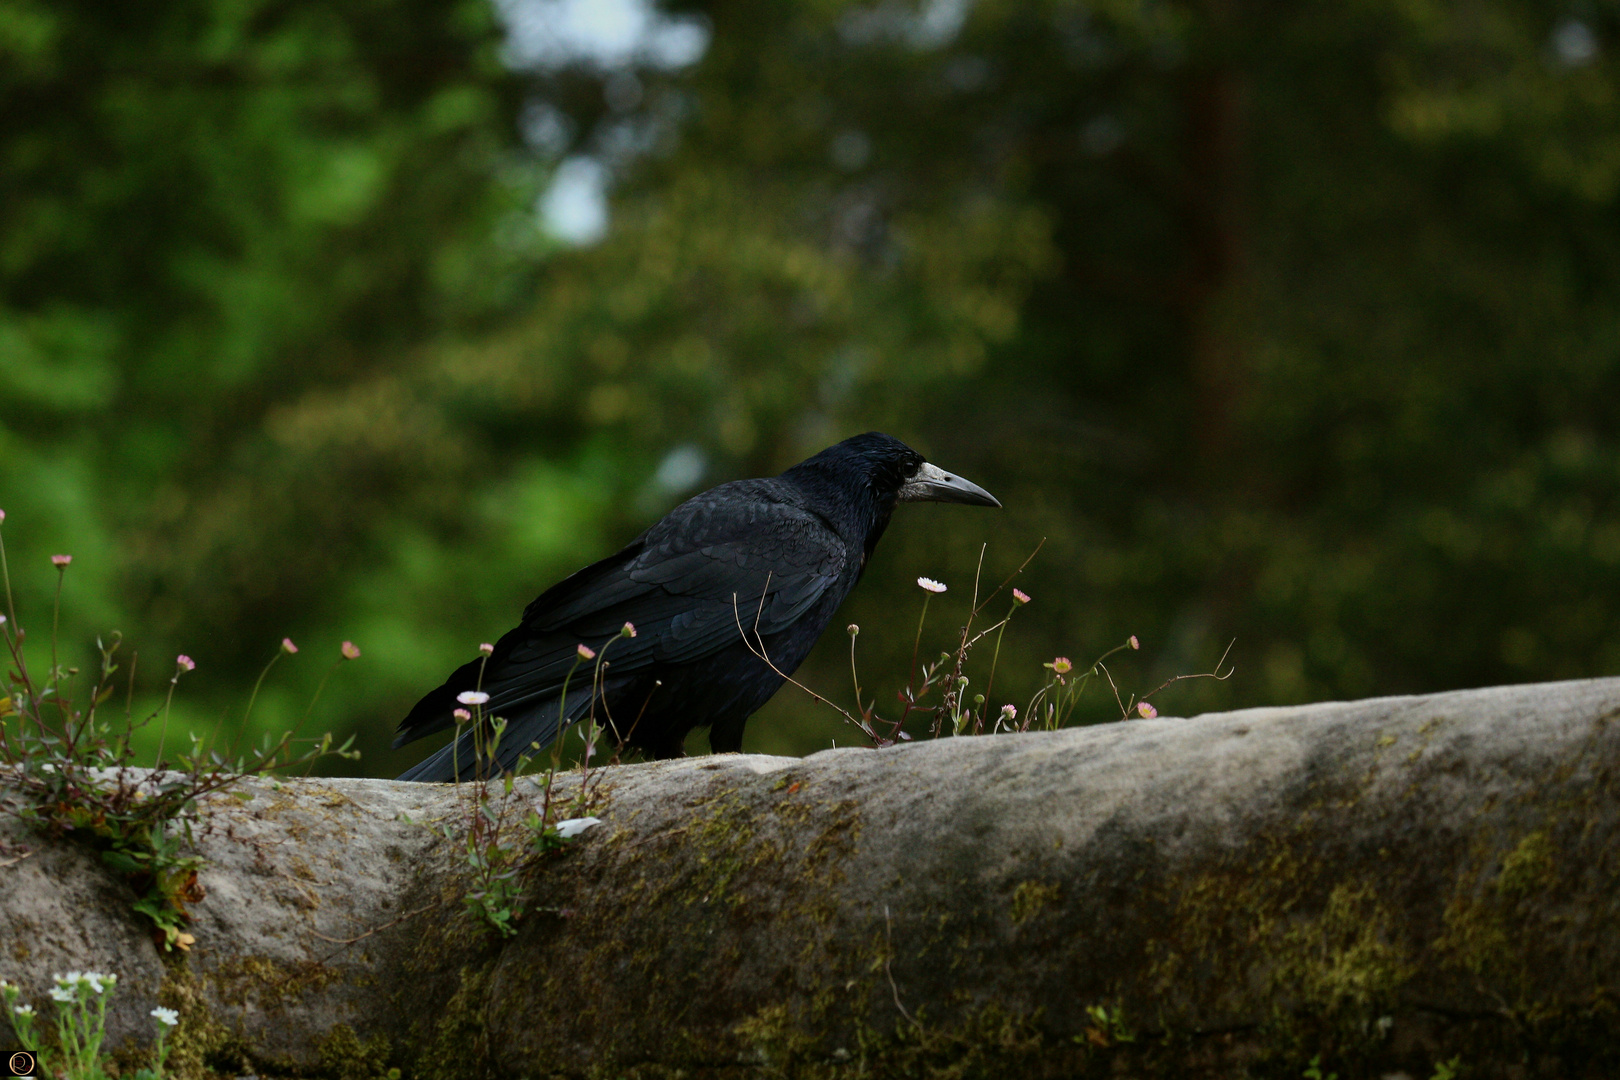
[(1289, 323)]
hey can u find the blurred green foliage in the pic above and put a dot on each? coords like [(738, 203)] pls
[(1294, 324)]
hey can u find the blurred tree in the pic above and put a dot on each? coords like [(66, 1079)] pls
[(211, 212), (1288, 324)]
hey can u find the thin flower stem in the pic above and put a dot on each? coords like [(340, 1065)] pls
[(5, 572), (995, 656), (252, 697), (1015, 573), (759, 651), (855, 675), (597, 694), (479, 771), (107, 668), (1215, 674), (562, 719), (917, 644), (455, 754), (14, 636), (56, 670), (1124, 710), (311, 707), (129, 695)]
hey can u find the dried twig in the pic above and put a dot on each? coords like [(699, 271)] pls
[(888, 954), (346, 942), (759, 651)]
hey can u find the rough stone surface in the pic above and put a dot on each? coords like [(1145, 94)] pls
[(1382, 884)]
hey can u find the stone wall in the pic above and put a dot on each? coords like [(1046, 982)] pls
[(1383, 885)]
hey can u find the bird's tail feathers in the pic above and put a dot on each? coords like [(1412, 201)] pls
[(435, 711), (531, 728)]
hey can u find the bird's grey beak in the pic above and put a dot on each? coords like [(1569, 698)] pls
[(933, 484)]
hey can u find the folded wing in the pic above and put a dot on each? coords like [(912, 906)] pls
[(690, 586)]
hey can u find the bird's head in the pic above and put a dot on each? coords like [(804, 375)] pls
[(894, 472)]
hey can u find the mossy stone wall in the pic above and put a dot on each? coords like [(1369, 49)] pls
[(1380, 887)]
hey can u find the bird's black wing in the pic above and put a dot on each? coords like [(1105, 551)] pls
[(737, 554)]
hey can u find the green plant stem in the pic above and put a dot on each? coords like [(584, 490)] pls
[(478, 722), (56, 670), (995, 656), (163, 732), (5, 573), (562, 717), (14, 637), (67, 1030), (855, 675), (293, 734), (255, 696), (917, 644)]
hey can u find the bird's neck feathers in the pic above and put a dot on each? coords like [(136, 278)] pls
[(854, 486), (845, 498), (855, 491)]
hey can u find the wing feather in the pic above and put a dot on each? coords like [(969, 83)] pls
[(738, 553)]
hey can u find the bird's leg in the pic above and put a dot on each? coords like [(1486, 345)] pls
[(725, 736)]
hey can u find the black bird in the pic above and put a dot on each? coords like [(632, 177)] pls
[(779, 554)]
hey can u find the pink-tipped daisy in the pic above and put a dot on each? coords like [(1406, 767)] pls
[(462, 716), (287, 646), (486, 648), (1061, 665), (628, 630), (472, 697), (350, 650), (1134, 643), (586, 652), (1146, 711), (1020, 597), (61, 560), (930, 585), (185, 663)]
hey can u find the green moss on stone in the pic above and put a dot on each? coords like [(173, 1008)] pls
[(459, 1047), (343, 1056), (201, 1046), (1030, 898), (988, 1043)]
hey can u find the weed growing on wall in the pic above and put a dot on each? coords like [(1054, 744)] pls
[(67, 765)]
